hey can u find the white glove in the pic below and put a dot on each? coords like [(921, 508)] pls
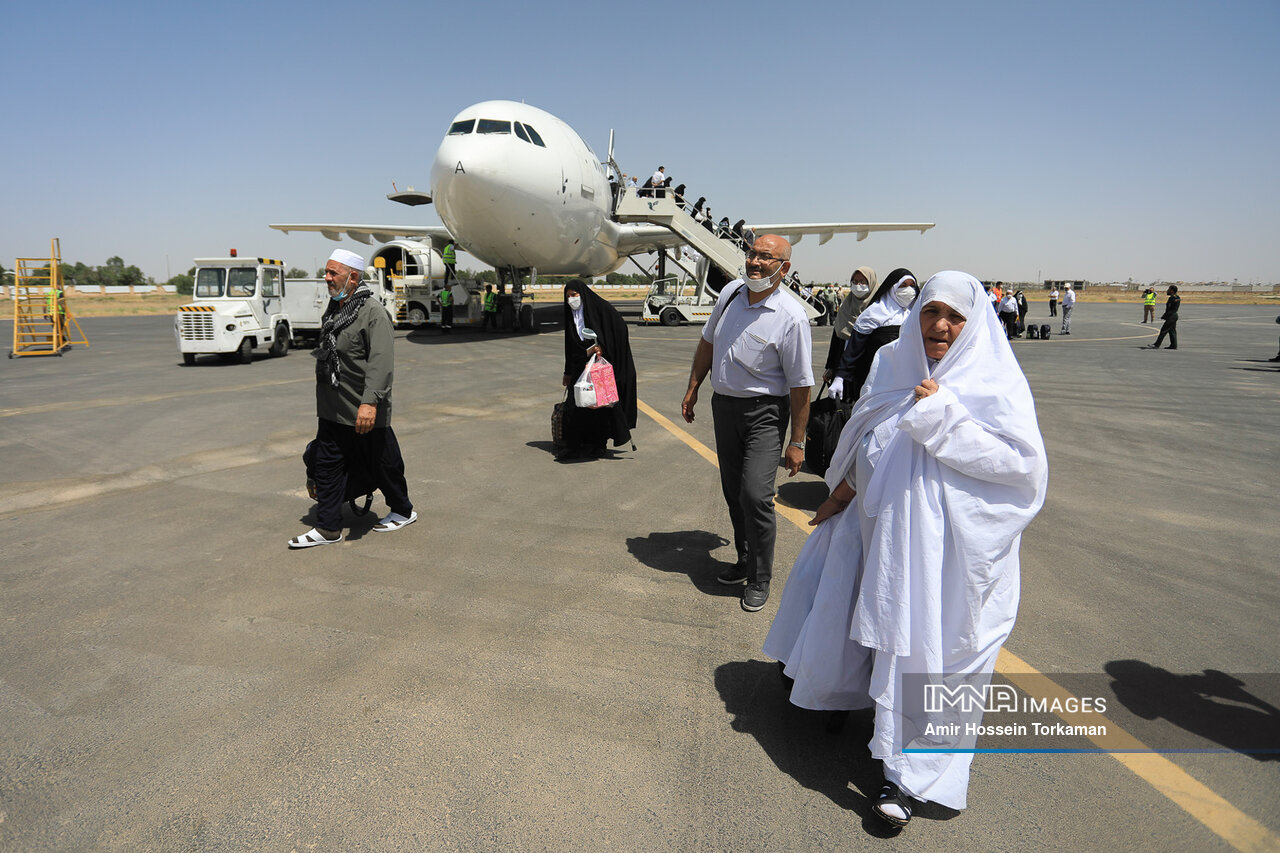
[(836, 391)]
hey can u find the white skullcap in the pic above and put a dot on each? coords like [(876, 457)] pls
[(350, 259)]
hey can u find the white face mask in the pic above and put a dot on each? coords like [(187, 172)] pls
[(860, 290), (575, 302), (904, 296), (756, 285)]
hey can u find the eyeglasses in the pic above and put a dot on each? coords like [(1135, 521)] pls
[(753, 255)]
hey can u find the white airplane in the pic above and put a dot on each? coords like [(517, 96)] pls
[(519, 189)]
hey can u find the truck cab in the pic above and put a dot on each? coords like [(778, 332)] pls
[(238, 307)]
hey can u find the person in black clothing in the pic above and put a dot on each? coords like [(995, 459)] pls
[(895, 295), (1170, 317), (594, 327), (678, 194), (1023, 307)]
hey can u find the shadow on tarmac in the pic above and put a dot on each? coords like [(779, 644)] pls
[(807, 496), (686, 552), (800, 743), (1212, 705)]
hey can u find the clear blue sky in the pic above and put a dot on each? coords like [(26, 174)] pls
[(1103, 141)]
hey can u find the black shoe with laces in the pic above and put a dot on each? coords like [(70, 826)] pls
[(755, 596)]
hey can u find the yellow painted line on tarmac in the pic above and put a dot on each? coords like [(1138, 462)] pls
[(1195, 798), (105, 402)]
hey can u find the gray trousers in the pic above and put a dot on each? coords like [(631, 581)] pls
[(749, 438), (1066, 317)]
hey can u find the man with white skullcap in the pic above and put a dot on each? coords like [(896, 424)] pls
[(354, 366)]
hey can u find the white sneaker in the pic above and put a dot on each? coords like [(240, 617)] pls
[(394, 521)]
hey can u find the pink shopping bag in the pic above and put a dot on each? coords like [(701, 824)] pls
[(604, 383)]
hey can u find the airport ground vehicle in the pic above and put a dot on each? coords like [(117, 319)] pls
[(240, 305)]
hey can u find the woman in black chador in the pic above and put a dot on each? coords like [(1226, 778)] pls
[(592, 325)]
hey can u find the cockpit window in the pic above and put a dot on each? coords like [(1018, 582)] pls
[(460, 127), (533, 135), (520, 132), (489, 125)]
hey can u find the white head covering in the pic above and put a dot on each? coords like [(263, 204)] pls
[(917, 501), (350, 259), (853, 305), (885, 311)]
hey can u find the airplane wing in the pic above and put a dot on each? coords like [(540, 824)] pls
[(640, 237), (794, 232), (437, 234)]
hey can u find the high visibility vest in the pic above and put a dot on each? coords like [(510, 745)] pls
[(53, 300), (1149, 299), (491, 301), (449, 255), (446, 298)]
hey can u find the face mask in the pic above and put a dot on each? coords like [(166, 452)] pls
[(575, 302), (755, 285), (339, 297), (904, 296), (860, 290)]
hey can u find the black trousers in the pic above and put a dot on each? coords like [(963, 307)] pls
[(338, 451), (749, 438), (1053, 308), (1169, 328)]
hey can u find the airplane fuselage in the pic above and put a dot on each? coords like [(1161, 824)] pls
[(517, 187)]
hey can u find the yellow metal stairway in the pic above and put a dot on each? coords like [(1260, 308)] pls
[(42, 321)]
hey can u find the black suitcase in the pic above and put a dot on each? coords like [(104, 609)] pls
[(1033, 332), (827, 418), (1044, 332), (359, 482)]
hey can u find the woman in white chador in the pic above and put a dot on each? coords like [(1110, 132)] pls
[(941, 467)]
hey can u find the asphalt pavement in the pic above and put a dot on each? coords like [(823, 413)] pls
[(544, 661)]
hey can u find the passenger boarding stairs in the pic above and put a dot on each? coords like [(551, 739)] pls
[(723, 251), (42, 323)]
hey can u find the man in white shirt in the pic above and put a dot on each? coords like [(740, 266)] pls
[(757, 348), (1053, 301), (1068, 302)]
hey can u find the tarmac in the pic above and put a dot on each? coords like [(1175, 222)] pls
[(545, 661)]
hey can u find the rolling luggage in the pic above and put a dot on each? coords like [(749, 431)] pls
[(827, 418), (1033, 332), (1044, 332)]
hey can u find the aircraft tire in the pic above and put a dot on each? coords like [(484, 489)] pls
[(669, 317)]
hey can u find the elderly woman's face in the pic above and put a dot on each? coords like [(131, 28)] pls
[(940, 324)]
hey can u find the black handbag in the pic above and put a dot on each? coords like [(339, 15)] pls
[(557, 420), (360, 482), (827, 417)]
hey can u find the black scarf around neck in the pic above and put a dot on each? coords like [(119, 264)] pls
[(335, 321)]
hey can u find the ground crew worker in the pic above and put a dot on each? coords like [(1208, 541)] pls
[(450, 257), (56, 303), (1149, 305), (490, 313), (446, 309)]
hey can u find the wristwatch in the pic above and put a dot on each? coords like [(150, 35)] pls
[(799, 444)]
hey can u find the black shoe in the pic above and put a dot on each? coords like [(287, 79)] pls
[(755, 596), (1277, 358), (891, 795), (566, 454), (1170, 347), (732, 576)]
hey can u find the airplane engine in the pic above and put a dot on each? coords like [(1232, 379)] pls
[(410, 257)]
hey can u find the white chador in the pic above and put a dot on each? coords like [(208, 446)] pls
[(919, 575)]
